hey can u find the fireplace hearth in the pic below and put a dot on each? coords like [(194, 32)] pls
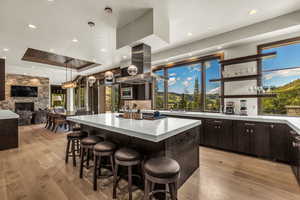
[(25, 111)]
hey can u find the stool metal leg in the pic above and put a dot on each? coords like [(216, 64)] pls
[(67, 151), (115, 181), (73, 152), (130, 182), (173, 191), (81, 162), (96, 165)]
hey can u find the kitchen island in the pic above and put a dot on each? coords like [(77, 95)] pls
[(9, 135), (171, 137)]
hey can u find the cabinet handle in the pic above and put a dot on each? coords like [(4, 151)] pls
[(296, 144), (247, 130), (272, 126), (251, 130), (293, 132), (249, 124), (217, 121)]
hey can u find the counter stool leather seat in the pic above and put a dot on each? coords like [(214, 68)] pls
[(163, 171), (126, 154), (77, 134), (103, 149), (162, 167), (91, 140)]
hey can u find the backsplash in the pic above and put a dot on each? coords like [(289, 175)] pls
[(40, 102), (142, 104)]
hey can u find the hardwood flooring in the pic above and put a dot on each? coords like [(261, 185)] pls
[(37, 171)]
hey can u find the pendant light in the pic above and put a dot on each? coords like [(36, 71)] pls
[(68, 84)]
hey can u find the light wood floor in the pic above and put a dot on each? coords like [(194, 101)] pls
[(36, 171)]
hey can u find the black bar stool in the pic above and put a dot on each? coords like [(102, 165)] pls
[(102, 149), (74, 138), (161, 170), (128, 158), (87, 146)]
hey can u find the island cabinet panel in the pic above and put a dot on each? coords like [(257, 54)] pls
[(218, 133), (9, 134), (279, 139), (242, 138)]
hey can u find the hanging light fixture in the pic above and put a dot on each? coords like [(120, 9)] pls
[(109, 75), (68, 84), (92, 80), (132, 70)]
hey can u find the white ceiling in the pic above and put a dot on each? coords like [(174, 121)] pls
[(59, 21)]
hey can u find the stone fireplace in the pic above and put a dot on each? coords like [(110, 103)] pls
[(24, 106)]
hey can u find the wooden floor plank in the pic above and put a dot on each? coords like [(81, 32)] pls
[(36, 171)]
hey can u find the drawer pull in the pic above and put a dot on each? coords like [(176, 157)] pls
[(296, 144), (249, 124)]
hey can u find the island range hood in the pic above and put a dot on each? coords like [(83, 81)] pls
[(141, 58)]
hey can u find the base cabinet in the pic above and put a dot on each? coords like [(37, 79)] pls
[(9, 136), (217, 133)]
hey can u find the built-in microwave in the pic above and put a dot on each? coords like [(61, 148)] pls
[(127, 93)]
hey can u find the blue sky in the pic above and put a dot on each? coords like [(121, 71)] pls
[(182, 79), (287, 56)]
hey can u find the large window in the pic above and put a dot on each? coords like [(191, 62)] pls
[(188, 87), (184, 87), (212, 89), (281, 75), (159, 91)]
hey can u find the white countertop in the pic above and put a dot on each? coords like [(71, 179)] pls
[(7, 114), (293, 122), (152, 130)]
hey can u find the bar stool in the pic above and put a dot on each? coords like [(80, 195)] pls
[(87, 146), (128, 158), (102, 149), (74, 138), (161, 170)]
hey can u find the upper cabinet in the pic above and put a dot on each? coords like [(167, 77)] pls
[(2, 79)]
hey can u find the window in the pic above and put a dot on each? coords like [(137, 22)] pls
[(184, 87), (212, 89), (281, 75), (188, 87), (159, 91)]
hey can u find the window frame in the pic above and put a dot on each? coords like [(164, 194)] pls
[(201, 60), (270, 45)]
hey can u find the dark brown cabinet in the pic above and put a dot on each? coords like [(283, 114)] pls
[(217, 133), (9, 133), (279, 139), (252, 138)]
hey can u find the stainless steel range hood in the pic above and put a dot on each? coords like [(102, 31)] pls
[(141, 58)]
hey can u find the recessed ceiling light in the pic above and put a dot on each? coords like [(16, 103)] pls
[(190, 54), (189, 34), (103, 50), (3, 57), (5, 49), (50, 0), (94, 60), (220, 47), (51, 50), (252, 12), (75, 40), (124, 57), (32, 67), (32, 26)]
